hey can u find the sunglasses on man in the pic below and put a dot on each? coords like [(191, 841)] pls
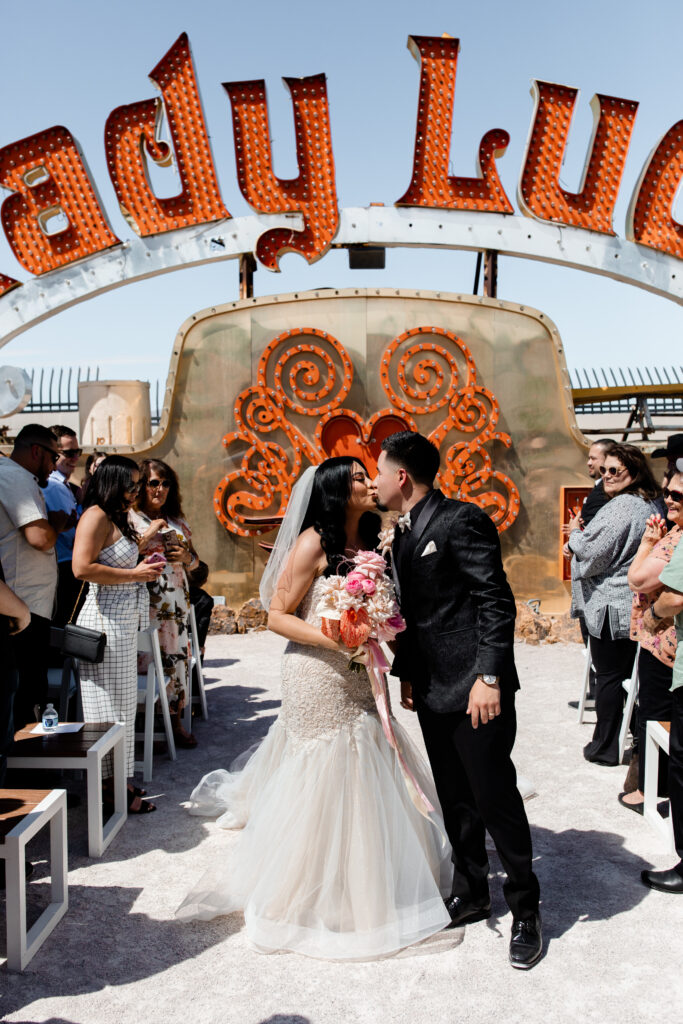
[(71, 453), (50, 451)]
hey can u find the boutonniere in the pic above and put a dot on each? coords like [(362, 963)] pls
[(386, 537)]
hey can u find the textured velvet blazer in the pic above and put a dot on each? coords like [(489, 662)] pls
[(458, 605)]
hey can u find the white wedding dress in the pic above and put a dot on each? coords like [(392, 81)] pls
[(333, 860)]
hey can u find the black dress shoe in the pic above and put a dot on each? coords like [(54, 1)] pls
[(464, 911), (526, 942), (664, 881)]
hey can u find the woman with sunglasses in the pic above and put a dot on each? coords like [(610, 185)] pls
[(106, 555), (602, 554), (657, 637), (159, 522)]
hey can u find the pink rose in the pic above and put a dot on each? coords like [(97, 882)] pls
[(368, 586), (369, 563), (353, 585)]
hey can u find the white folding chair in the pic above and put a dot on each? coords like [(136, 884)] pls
[(196, 664), (656, 740), (631, 687), (152, 687), (586, 683)]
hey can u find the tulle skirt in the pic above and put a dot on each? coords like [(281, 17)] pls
[(333, 860)]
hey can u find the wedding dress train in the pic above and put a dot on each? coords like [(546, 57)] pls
[(333, 859)]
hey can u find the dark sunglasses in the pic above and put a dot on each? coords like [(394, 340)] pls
[(50, 451), (133, 489), (674, 495), (71, 453), (154, 485), (613, 470)]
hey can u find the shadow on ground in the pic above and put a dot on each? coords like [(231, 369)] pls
[(584, 876)]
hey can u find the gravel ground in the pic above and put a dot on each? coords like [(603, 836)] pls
[(119, 956)]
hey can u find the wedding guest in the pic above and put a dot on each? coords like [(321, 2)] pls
[(672, 453), (595, 462), (14, 617), (28, 534), (106, 555), (669, 603), (61, 494), (202, 602), (602, 554), (657, 637), (161, 527)]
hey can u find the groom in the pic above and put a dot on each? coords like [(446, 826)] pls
[(456, 665)]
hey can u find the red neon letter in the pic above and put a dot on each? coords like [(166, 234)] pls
[(131, 135), (540, 192), (313, 193), (54, 217), (649, 219), (431, 184)]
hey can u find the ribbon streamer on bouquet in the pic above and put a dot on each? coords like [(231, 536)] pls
[(377, 667)]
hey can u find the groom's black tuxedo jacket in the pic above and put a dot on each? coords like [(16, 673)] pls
[(457, 603)]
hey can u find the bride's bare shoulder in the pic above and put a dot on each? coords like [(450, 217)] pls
[(308, 546)]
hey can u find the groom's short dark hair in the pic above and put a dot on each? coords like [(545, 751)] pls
[(415, 453)]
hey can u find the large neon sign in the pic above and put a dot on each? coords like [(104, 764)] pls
[(57, 228)]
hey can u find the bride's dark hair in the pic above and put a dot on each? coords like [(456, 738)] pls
[(326, 512)]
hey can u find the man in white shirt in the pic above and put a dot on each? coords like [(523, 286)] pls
[(28, 534), (61, 495)]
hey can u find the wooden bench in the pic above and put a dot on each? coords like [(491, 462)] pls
[(83, 750), (656, 739), (23, 812)]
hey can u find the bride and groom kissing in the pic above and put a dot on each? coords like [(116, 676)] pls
[(334, 859)]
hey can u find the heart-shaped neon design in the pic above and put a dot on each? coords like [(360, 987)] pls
[(345, 433)]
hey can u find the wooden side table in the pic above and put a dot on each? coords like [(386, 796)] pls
[(81, 750)]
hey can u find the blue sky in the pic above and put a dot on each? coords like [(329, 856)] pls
[(74, 62)]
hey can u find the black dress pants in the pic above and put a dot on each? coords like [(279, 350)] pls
[(654, 704), (30, 650), (613, 661), (676, 771), (476, 784)]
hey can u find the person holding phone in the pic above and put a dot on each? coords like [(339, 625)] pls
[(106, 556), (159, 522)]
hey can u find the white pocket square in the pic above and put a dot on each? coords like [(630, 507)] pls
[(429, 550)]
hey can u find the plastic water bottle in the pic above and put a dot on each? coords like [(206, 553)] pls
[(50, 719)]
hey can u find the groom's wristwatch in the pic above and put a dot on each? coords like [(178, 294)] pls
[(489, 680)]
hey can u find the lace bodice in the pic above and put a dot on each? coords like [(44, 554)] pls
[(320, 694)]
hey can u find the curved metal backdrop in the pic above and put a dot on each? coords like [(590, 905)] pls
[(518, 236)]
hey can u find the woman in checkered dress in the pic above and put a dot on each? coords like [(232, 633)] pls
[(106, 555)]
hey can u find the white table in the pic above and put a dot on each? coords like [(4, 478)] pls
[(83, 750)]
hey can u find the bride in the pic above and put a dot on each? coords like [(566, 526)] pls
[(333, 860)]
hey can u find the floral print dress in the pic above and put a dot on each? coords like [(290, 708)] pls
[(662, 644), (169, 608)]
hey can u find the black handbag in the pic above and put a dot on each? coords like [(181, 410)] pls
[(81, 642)]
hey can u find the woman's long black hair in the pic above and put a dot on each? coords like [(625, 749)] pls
[(326, 512), (112, 478)]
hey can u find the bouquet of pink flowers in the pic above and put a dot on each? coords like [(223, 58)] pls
[(361, 606), (361, 610)]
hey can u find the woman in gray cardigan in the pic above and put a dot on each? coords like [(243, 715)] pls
[(602, 554)]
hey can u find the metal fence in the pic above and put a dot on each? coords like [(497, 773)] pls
[(56, 390), (618, 378)]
